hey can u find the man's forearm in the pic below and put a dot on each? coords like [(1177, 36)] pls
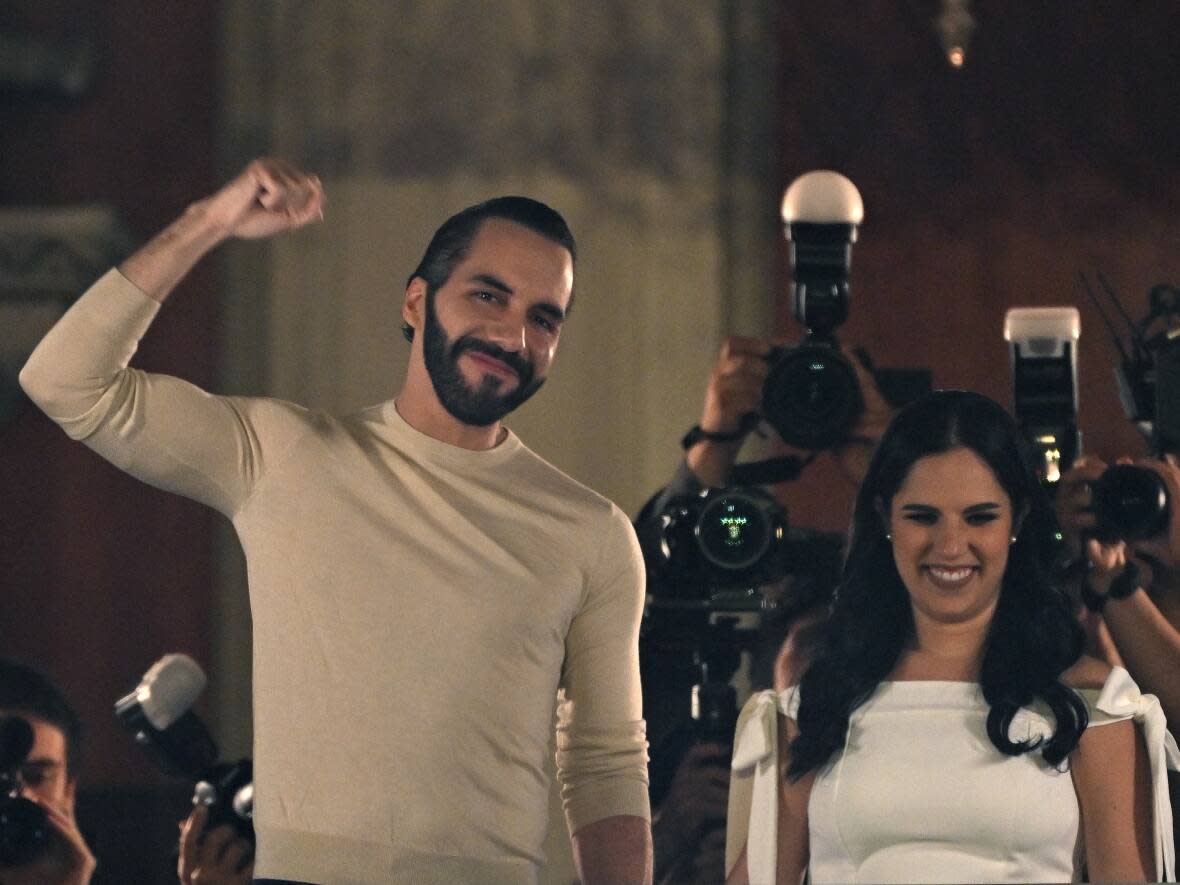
[(1150, 645), (268, 197), (159, 266), (614, 851)]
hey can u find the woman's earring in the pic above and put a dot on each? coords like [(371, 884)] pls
[(889, 537), (1012, 540)]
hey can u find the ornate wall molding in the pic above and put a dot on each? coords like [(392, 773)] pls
[(48, 256)]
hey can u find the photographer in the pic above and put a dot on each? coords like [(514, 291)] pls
[(48, 776), (733, 399), (1132, 589), (689, 777)]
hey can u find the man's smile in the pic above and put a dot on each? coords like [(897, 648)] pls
[(493, 365)]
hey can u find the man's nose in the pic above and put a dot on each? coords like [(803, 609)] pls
[(508, 333)]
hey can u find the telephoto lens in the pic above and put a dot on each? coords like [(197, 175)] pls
[(24, 828), (24, 831), (1130, 503), (812, 396)]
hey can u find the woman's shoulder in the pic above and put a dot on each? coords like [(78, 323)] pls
[(1087, 672)]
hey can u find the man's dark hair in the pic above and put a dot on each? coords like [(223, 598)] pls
[(452, 240), (26, 691)]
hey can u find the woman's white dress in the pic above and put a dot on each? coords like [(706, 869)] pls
[(920, 794)]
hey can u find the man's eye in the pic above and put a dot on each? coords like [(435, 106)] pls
[(544, 323), (33, 775), (484, 295)]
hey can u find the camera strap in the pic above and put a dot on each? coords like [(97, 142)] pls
[(784, 468)]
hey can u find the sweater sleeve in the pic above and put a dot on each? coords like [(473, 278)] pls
[(601, 735), (162, 430)]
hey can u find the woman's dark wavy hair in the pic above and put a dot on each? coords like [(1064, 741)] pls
[(1033, 637)]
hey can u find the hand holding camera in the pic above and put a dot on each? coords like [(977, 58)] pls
[(212, 854), (1156, 549), (1122, 516), (65, 858), (1074, 499), (733, 395)]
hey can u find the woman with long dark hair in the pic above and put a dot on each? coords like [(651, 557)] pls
[(949, 727)]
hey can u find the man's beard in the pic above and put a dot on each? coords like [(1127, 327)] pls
[(483, 405)]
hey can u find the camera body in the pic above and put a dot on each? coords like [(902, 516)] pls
[(24, 827), (227, 790), (1148, 378)]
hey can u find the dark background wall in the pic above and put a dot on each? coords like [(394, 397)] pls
[(100, 575), (1050, 153)]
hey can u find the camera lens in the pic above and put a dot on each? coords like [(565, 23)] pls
[(24, 831), (811, 397), (733, 532), (1130, 503)]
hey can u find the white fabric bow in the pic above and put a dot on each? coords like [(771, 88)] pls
[(755, 756)]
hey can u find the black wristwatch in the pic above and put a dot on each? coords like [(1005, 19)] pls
[(697, 434), (1124, 584)]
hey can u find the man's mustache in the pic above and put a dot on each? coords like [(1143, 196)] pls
[(521, 366)]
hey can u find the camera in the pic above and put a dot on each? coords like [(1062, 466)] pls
[(24, 828), (1131, 503), (1044, 363), (811, 395), (158, 712), (708, 556), (715, 548), (720, 541)]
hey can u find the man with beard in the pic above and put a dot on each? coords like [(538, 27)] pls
[(422, 584)]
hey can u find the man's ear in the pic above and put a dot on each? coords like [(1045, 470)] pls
[(414, 305)]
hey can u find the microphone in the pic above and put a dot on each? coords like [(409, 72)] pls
[(820, 212), (158, 712)]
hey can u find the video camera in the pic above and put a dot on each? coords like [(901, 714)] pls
[(714, 549), (24, 828), (158, 712)]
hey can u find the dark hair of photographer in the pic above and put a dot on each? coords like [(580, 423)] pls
[(25, 691), (1033, 637)]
